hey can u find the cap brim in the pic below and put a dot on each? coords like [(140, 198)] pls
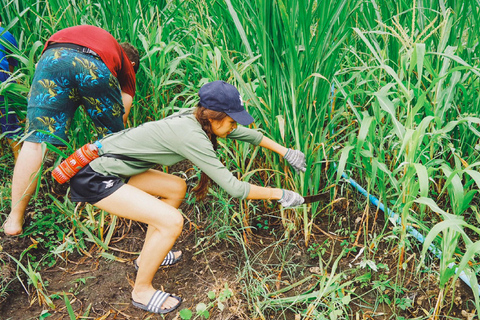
[(243, 117)]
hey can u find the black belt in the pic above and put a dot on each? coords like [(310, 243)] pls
[(73, 46)]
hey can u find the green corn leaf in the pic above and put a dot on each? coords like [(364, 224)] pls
[(364, 129), (388, 107), (343, 161), (420, 56), (469, 255), (422, 175), (433, 206), (453, 184), (111, 229), (475, 175)]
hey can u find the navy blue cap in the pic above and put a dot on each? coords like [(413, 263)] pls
[(223, 97)]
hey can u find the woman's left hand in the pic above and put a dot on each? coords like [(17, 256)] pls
[(290, 199), (296, 159)]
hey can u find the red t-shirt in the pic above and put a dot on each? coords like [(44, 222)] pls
[(106, 46)]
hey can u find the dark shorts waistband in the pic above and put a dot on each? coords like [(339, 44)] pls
[(77, 47)]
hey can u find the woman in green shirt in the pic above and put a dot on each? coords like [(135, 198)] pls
[(122, 182)]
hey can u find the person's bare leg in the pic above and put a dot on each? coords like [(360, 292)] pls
[(15, 146), (167, 222), (24, 181), (170, 188)]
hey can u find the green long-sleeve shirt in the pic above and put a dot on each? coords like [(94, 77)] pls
[(167, 142)]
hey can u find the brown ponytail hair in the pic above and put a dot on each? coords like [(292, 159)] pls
[(203, 116)]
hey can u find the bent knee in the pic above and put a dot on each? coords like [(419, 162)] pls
[(174, 223), (179, 187)]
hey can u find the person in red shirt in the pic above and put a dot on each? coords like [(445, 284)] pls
[(81, 65)]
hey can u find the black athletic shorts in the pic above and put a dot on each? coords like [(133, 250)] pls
[(90, 186)]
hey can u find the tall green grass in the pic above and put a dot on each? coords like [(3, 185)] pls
[(293, 47)]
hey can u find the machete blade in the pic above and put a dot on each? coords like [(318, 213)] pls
[(315, 198)]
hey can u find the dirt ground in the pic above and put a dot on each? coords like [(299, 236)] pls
[(99, 288), (104, 286)]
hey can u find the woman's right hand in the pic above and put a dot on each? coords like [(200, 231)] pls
[(290, 199), (296, 158)]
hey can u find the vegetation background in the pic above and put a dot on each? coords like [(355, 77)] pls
[(382, 92)]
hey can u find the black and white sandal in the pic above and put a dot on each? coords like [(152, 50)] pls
[(156, 302), (168, 261)]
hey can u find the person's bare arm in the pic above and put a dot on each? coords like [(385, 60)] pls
[(273, 146), (127, 104), (257, 192), (286, 198)]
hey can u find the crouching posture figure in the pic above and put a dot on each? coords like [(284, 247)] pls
[(122, 182)]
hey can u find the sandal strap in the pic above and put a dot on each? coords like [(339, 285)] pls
[(157, 300), (169, 259)]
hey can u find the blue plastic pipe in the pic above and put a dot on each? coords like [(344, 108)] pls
[(437, 252)]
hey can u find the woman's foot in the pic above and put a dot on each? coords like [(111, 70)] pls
[(155, 301), (13, 226)]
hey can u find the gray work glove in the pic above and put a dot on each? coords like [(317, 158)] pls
[(290, 199), (296, 159)]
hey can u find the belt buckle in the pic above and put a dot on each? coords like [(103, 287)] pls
[(89, 51)]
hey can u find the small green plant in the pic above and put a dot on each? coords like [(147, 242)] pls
[(364, 280), (202, 309), (449, 233), (33, 277), (82, 280), (44, 315), (262, 224), (383, 287), (317, 249), (185, 314), (79, 285), (403, 303)]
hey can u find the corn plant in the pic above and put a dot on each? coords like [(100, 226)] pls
[(403, 86), (452, 230)]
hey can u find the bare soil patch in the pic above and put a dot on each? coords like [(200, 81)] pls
[(104, 287)]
